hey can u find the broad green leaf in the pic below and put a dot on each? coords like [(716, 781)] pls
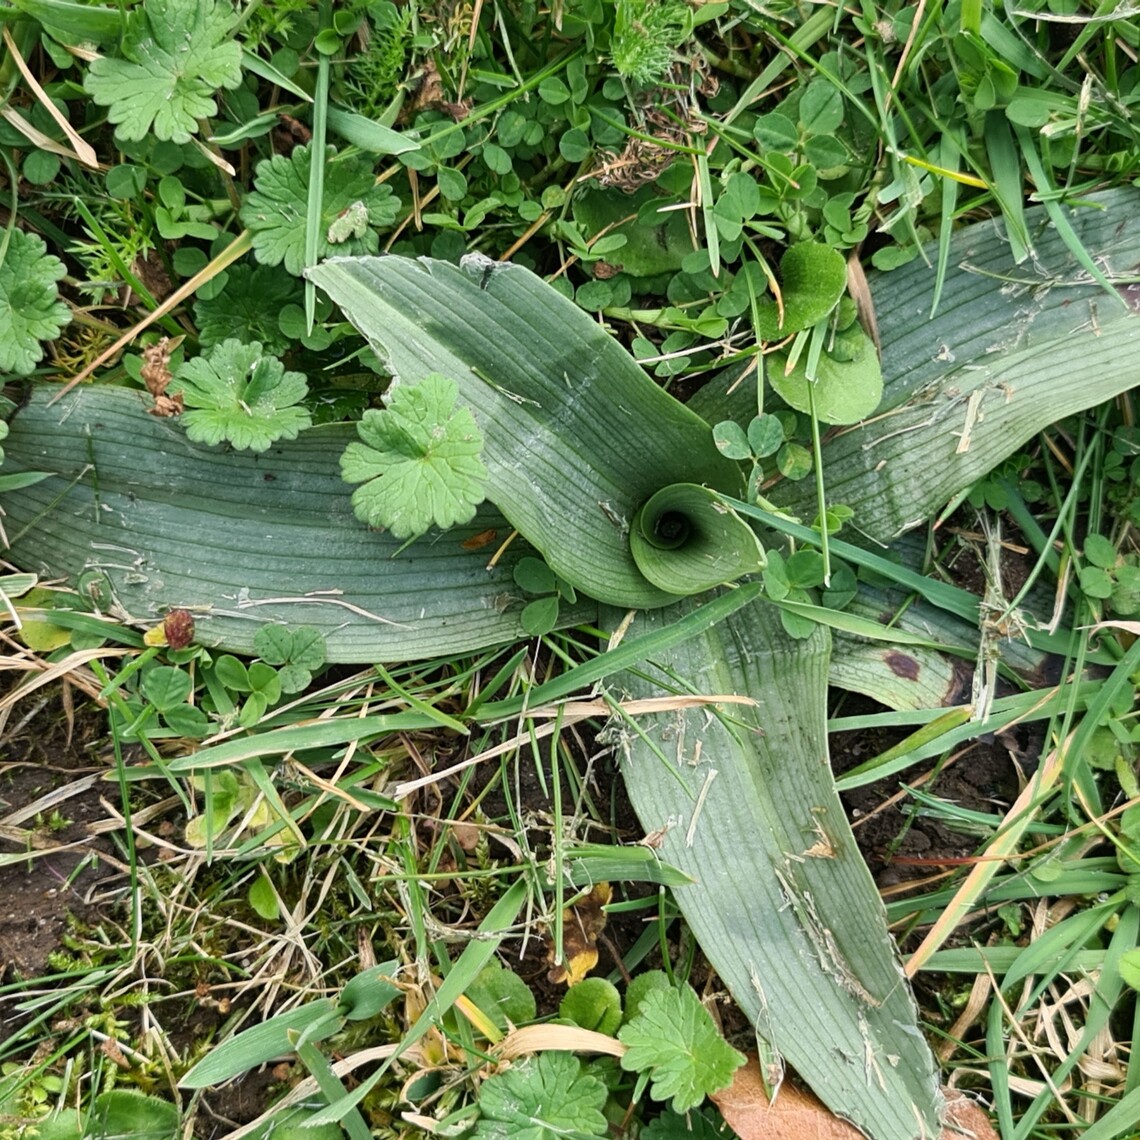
[(541, 1098), (993, 367), (731, 441), (30, 309), (248, 308), (540, 616), (846, 388), (657, 242), (177, 53), (592, 1003), (543, 381), (1100, 552), (503, 996), (123, 1112), (263, 898), (179, 509), (247, 539), (674, 1038), (535, 577), (812, 279), (166, 686), (784, 905), (419, 463)]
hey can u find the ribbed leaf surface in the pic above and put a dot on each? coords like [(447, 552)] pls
[(783, 906), (578, 437), (247, 538), (1010, 350)]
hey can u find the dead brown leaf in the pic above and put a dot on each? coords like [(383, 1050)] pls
[(799, 1115), (582, 923), (156, 376)]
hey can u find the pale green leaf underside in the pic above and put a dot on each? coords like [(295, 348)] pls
[(177, 56), (232, 531)]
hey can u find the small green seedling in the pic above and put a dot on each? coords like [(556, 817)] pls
[(540, 615)]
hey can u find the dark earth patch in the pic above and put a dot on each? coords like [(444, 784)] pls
[(50, 847)]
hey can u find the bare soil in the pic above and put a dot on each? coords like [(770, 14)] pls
[(52, 851)]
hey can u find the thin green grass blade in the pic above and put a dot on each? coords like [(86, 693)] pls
[(332, 1087), (949, 158), (1049, 193), (1018, 709), (315, 205), (661, 639), (1104, 998), (1005, 163)]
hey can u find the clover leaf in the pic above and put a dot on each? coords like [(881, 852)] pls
[(296, 652), (813, 277), (542, 1098), (352, 208), (673, 1037), (419, 462), (242, 396), (30, 310), (177, 55)]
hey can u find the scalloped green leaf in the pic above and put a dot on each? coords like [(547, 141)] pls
[(419, 463), (177, 53)]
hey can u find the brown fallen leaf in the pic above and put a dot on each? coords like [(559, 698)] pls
[(156, 376), (581, 925), (799, 1115)]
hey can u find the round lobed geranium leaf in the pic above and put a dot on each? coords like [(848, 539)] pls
[(30, 309), (240, 395), (353, 207), (177, 54)]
